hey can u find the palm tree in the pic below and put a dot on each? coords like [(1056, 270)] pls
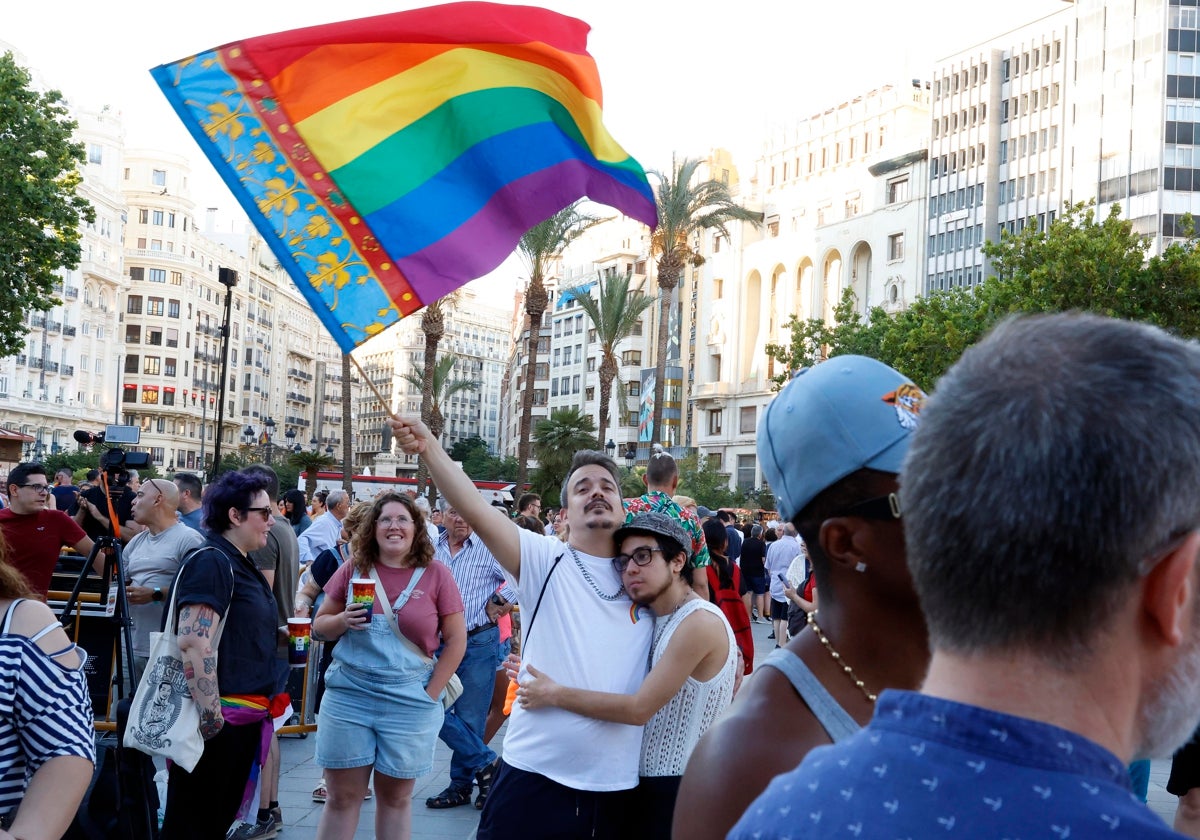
[(538, 246), (347, 436), (310, 463), (685, 207), (555, 442), (441, 388), (614, 312)]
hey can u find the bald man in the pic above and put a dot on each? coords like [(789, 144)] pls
[(152, 558)]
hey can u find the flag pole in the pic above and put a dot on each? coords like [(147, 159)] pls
[(386, 405)]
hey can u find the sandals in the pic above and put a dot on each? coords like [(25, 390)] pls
[(484, 779), (321, 793), (449, 798)]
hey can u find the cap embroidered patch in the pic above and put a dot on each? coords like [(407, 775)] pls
[(907, 399)]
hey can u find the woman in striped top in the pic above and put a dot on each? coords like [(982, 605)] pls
[(47, 750)]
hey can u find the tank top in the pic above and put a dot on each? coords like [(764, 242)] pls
[(672, 734), (833, 718)]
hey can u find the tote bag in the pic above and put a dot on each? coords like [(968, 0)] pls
[(164, 720)]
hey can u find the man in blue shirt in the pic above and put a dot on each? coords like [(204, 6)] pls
[(1052, 505)]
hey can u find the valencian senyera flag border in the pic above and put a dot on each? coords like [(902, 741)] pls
[(389, 160)]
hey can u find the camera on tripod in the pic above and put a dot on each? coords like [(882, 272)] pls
[(115, 462)]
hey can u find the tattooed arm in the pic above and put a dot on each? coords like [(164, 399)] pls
[(197, 623)]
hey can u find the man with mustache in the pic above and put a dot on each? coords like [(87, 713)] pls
[(1052, 536), (574, 775)]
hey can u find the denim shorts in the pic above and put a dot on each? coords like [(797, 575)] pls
[(391, 725)]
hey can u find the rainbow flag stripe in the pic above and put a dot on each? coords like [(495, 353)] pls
[(389, 160)]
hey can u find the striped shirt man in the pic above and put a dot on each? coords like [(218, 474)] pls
[(475, 570)]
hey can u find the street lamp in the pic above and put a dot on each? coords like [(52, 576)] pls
[(290, 434), (611, 447), (630, 457), (314, 445)]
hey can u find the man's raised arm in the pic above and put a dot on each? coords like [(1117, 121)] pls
[(499, 533)]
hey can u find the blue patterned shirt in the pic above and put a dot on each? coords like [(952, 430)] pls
[(927, 767)]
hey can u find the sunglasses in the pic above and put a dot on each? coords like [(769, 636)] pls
[(881, 508), (640, 557), (265, 512)]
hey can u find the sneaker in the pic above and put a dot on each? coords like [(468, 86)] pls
[(277, 815), (257, 831), (772, 636), (754, 614)]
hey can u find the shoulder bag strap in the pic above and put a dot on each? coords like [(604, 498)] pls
[(391, 611), (529, 628), (170, 623)]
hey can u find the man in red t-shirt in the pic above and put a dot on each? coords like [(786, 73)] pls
[(35, 535)]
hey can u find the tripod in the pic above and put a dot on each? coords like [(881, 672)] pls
[(130, 786)]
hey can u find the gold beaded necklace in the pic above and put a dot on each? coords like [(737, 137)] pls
[(837, 657)]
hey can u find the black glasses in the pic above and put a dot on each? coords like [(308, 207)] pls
[(640, 557), (37, 488), (264, 511), (882, 508)]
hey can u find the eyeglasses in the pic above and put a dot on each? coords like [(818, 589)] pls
[(640, 557), (37, 488), (394, 522), (265, 512), (881, 508)]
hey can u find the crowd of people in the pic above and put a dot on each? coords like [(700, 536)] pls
[(985, 607)]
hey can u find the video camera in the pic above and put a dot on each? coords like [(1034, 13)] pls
[(115, 461)]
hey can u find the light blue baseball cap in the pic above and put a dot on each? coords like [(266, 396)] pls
[(833, 419)]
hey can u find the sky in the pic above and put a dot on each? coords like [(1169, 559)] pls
[(677, 79)]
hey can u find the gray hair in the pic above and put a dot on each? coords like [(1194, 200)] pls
[(422, 505), (1054, 458), (443, 504), (335, 498)]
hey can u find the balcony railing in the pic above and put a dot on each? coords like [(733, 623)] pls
[(68, 370), (72, 292), (21, 359), (69, 331)]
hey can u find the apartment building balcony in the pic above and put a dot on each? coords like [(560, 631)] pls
[(22, 359), (712, 392), (68, 370), (162, 256), (71, 292), (69, 331)]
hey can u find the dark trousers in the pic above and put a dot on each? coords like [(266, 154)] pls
[(204, 803), (528, 806), (654, 807)]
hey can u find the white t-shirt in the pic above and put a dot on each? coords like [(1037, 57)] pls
[(152, 560), (582, 640)]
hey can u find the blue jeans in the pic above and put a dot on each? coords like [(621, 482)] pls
[(462, 730)]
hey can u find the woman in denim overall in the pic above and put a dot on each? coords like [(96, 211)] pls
[(382, 708)]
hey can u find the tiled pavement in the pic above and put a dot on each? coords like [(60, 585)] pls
[(301, 815)]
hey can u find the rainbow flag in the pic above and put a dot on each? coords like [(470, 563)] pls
[(389, 160)]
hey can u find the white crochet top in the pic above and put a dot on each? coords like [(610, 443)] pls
[(671, 735)]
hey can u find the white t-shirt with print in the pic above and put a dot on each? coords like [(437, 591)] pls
[(581, 640)]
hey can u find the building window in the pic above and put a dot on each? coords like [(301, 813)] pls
[(631, 357), (714, 421), (173, 309), (896, 247), (745, 472), (129, 395), (155, 306), (131, 363), (133, 305), (591, 364), (589, 394), (157, 217), (154, 336), (747, 419), (150, 395), (169, 367), (158, 177), (634, 389), (158, 275), (897, 191), (133, 334)]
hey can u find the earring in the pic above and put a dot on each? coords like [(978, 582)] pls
[(860, 566)]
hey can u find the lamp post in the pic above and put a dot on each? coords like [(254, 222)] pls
[(314, 444), (630, 457), (228, 278), (290, 434)]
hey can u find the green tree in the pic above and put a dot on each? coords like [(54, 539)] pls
[(480, 464), (556, 439), (615, 312), (40, 209), (687, 205), (310, 463), (442, 386), (538, 247), (698, 479)]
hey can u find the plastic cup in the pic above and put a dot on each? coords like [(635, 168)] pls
[(362, 591), (299, 640)]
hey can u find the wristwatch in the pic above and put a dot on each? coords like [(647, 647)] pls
[(157, 596), (497, 599)]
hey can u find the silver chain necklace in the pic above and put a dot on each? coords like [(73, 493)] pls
[(591, 581)]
